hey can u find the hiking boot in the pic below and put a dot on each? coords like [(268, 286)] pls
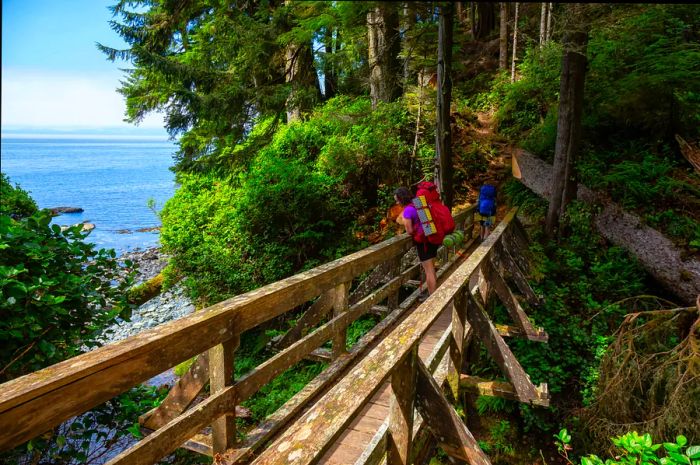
[(423, 296)]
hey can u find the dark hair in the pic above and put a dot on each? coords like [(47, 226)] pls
[(404, 195)]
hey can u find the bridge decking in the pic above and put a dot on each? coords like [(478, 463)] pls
[(351, 444)]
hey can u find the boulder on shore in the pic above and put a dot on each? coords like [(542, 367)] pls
[(60, 210)]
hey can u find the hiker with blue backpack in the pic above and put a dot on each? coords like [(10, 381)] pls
[(486, 208), (427, 220)]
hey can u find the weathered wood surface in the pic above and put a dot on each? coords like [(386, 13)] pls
[(442, 420), (486, 332), (678, 273), (164, 440), (78, 384), (505, 295), (312, 434), (403, 389), (512, 268), (221, 359), (484, 387), (308, 320), (181, 396)]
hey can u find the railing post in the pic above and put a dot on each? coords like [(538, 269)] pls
[(459, 318), (340, 306), (403, 387), (221, 359), (394, 271)]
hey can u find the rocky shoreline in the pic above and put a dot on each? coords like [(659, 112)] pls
[(167, 306)]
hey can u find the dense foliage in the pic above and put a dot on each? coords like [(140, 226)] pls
[(14, 201), (56, 291), (642, 88), (294, 207)]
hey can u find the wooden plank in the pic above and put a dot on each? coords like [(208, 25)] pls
[(403, 388), (171, 436), (311, 435), (509, 300), (485, 331), (340, 307), (394, 270), (452, 434), (261, 435), (181, 395), (369, 283), (78, 384), (308, 320), (518, 276), (476, 385), (459, 320), (220, 377), (320, 355), (514, 331)]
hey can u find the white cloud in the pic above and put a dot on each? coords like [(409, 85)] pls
[(39, 99)]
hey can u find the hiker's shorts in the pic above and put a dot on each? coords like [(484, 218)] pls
[(426, 251)]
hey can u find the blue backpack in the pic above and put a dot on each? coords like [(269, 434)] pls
[(487, 200)]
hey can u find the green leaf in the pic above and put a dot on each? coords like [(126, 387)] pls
[(681, 440), (693, 452)]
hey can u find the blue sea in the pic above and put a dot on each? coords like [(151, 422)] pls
[(111, 179)]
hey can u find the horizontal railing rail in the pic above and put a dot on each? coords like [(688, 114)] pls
[(35, 403), (395, 359)]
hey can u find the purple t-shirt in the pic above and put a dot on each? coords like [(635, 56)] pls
[(410, 213)]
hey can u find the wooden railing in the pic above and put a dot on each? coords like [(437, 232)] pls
[(35, 403), (418, 384)]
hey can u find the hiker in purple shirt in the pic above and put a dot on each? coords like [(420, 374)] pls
[(426, 251)]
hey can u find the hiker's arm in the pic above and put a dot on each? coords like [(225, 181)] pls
[(407, 223)]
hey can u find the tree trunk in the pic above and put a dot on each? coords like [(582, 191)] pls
[(503, 38), (550, 10), (486, 19), (443, 132), (515, 43), (472, 18), (301, 74), (667, 263), (330, 78), (573, 73), (384, 47), (409, 22), (543, 23)]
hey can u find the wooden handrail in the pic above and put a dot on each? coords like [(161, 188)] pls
[(76, 385), (308, 438)]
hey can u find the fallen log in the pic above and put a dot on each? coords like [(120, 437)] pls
[(656, 253)]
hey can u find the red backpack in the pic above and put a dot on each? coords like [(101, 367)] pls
[(437, 214)]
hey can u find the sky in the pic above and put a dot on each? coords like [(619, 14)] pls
[(54, 80)]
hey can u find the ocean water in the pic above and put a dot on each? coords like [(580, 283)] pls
[(111, 179)]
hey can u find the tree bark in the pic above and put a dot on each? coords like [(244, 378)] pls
[(543, 23), (330, 78), (515, 43), (550, 10), (486, 19), (443, 132), (566, 149), (301, 74), (409, 22), (503, 38), (667, 263), (384, 47)]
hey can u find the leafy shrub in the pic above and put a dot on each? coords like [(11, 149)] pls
[(56, 293), (292, 207), (636, 449), (14, 201)]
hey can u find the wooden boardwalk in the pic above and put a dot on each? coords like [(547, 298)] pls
[(351, 444)]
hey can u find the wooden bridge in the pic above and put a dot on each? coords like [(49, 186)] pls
[(385, 399)]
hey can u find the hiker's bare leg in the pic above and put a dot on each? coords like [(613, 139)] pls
[(430, 276)]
